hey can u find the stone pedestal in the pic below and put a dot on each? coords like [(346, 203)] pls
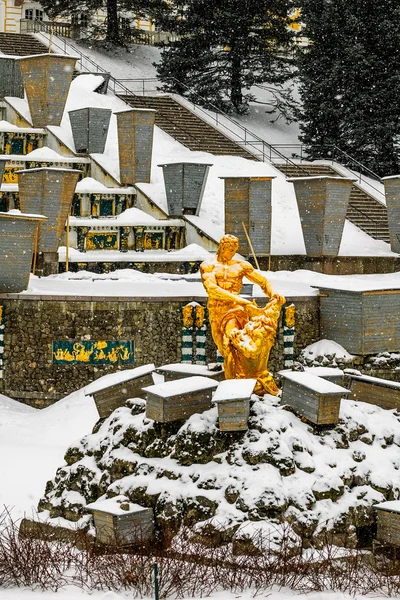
[(48, 191), (120, 522), (392, 194), (10, 78), (311, 397), (248, 201), (90, 128), (184, 187), (17, 244), (178, 400), (135, 144), (322, 203), (47, 79)]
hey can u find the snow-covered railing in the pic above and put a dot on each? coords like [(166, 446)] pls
[(261, 149), (333, 154)]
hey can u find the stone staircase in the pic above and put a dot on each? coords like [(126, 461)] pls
[(182, 124), (20, 44), (186, 127), (364, 211)]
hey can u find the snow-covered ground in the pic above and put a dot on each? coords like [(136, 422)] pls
[(273, 594), (128, 282), (32, 445)]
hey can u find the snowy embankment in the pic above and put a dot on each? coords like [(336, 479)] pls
[(287, 237)]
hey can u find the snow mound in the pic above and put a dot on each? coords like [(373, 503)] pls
[(325, 353), (281, 471)]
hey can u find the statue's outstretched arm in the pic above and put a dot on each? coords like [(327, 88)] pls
[(255, 277)]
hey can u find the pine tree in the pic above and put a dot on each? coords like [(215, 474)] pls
[(350, 80), (225, 47)]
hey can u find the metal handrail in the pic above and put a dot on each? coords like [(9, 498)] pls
[(249, 139), (247, 133), (255, 141), (331, 155)]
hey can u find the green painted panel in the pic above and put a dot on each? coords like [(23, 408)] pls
[(93, 352), (102, 241), (106, 208), (17, 146)]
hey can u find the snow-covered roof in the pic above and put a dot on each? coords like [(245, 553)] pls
[(234, 389), (189, 369), (9, 127), (17, 214), (314, 383), (391, 505), (113, 506), (181, 386), (131, 216), (115, 378), (89, 185)]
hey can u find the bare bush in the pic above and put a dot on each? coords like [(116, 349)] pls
[(31, 562), (38, 560)]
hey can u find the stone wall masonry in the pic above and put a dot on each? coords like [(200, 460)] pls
[(135, 144), (154, 325), (10, 78), (90, 128), (322, 203), (392, 195), (47, 78)]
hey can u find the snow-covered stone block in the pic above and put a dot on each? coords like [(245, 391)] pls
[(182, 370), (388, 522), (312, 397), (111, 391), (233, 401), (178, 400), (361, 315), (335, 375), (374, 390), (120, 522)]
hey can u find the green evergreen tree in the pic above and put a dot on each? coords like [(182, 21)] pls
[(350, 80), (225, 47)]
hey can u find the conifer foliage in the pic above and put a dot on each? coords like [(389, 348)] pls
[(114, 9), (225, 47), (350, 80)]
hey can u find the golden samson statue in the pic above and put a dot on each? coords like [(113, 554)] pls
[(243, 332)]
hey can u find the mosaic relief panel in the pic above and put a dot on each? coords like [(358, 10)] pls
[(93, 352)]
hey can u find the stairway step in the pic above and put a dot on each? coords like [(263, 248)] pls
[(186, 127), (20, 44)]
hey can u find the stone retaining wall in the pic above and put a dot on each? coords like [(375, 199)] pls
[(33, 324)]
